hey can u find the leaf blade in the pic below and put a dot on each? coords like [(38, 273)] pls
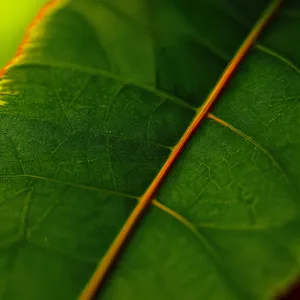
[(75, 149)]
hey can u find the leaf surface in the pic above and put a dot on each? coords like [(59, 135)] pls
[(92, 109)]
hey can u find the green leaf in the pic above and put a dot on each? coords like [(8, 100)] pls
[(91, 110)]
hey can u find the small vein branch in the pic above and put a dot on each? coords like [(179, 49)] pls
[(250, 139), (24, 214), (110, 163), (111, 255)]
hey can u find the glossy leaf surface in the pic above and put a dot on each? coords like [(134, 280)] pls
[(90, 112)]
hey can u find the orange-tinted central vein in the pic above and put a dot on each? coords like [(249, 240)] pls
[(112, 253)]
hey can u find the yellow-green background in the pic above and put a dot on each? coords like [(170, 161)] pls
[(15, 16)]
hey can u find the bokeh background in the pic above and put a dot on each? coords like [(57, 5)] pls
[(15, 16)]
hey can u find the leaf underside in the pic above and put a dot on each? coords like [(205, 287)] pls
[(91, 110)]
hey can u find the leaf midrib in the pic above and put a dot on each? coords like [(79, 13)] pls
[(111, 255), (149, 88), (195, 229), (110, 75), (94, 71)]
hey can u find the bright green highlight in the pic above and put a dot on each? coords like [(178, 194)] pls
[(15, 16)]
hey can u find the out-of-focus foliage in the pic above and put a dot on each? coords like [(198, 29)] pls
[(15, 16)]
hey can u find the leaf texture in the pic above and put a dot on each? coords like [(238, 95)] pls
[(92, 108)]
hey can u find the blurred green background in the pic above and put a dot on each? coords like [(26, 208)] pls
[(15, 16)]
